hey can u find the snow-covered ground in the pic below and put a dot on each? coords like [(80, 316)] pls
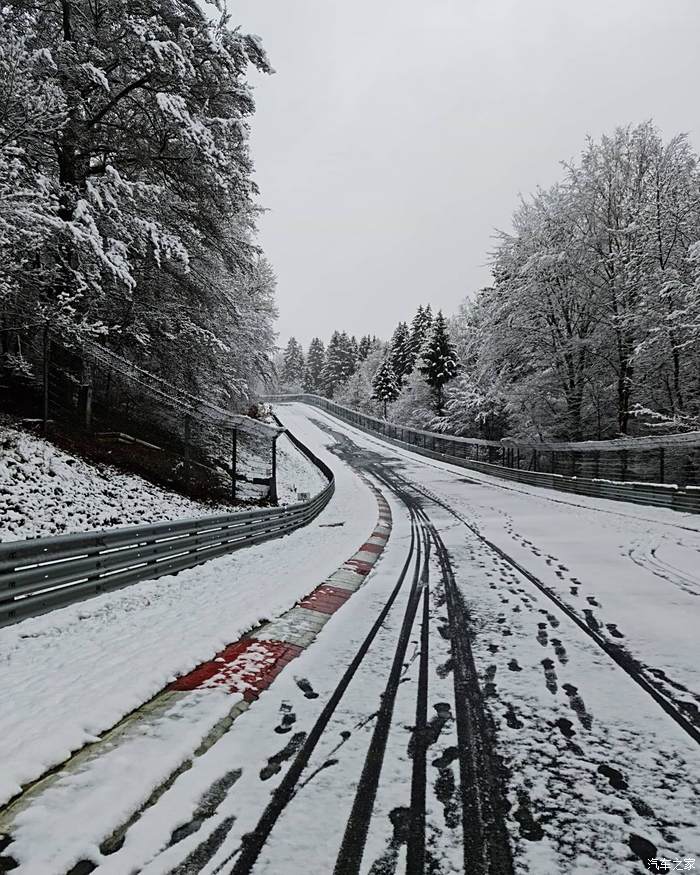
[(75, 672), (296, 475), (598, 777), (46, 491)]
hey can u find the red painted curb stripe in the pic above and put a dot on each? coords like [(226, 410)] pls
[(246, 667), (250, 665), (371, 548), (360, 565)]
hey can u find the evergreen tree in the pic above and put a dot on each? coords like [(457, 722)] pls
[(420, 331), (340, 362), (385, 386), (400, 352), (364, 347), (315, 360), (350, 353), (293, 369), (438, 362)]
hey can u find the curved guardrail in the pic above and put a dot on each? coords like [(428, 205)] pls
[(453, 449), (41, 574)]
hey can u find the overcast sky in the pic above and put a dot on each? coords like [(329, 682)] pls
[(397, 134)]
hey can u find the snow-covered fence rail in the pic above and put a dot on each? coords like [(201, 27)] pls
[(42, 574), (663, 471)]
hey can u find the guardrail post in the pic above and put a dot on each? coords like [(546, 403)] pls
[(623, 465), (661, 464), (234, 460)]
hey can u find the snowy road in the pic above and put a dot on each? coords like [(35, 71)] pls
[(515, 689)]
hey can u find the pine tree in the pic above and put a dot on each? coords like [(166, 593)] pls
[(400, 352), (420, 331), (350, 353), (438, 362), (364, 347), (340, 362), (385, 386), (293, 370), (315, 361)]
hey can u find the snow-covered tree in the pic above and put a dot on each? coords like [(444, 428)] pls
[(420, 331), (590, 318), (357, 391), (385, 385), (438, 362), (364, 346), (340, 362), (400, 352), (415, 406), (315, 360), (124, 137), (293, 368)]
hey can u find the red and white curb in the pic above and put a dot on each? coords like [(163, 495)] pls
[(250, 665), (245, 669)]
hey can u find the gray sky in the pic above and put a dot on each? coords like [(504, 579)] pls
[(397, 134)]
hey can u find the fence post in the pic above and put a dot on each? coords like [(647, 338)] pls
[(86, 395), (45, 407), (187, 449), (273, 478), (234, 461), (518, 458), (661, 464), (623, 464)]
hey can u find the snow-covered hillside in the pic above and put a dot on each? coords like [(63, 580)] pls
[(45, 491)]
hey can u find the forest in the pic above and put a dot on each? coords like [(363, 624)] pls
[(590, 329), (127, 204)]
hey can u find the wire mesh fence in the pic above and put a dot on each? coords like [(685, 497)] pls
[(657, 459), (133, 417)]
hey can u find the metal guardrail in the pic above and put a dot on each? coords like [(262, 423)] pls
[(454, 450), (41, 574)]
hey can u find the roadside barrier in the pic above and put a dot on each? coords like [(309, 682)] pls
[(520, 462), (40, 574)]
